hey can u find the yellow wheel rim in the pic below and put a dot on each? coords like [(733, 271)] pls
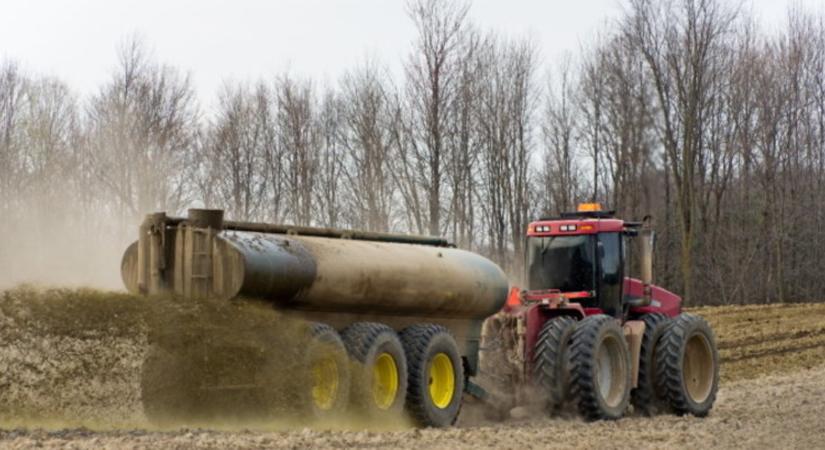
[(442, 380), (384, 381), (325, 383)]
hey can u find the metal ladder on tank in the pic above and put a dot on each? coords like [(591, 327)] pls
[(201, 270)]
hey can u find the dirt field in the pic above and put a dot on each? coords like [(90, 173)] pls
[(70, 364)]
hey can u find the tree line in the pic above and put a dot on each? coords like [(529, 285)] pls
[(686, 110)]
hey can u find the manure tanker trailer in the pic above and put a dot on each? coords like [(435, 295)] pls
[(408, 308), (395, 322)]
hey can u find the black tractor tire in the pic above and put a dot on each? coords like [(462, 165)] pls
[(644, 396), (600, 368), (380, 357), (322, 382), (551, 371), (687, 366), (435, 366)]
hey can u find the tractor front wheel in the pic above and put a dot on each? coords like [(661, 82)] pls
[(551, 372)]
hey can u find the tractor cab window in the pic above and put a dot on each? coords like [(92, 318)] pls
[(565, 263)]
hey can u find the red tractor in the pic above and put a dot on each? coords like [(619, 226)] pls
[(585, 332)]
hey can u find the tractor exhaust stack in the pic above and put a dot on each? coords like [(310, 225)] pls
[(648, 237)]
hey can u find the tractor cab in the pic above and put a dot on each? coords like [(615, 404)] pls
[(584, 257)]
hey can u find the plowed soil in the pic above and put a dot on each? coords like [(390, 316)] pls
[(759, 340), (70, 363)]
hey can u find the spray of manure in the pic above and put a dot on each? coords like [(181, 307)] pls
[(103, 360)]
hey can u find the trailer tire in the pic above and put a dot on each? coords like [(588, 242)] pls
[(326, 364), (436, 375), (379, 382), (687, 366), (551, 371), (644, 396), (600, 368), (168, 393)]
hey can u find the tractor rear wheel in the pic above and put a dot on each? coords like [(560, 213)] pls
[(600, 368), (436, 375), (380, 382), (687, 366), (644, 396), (551, 371)]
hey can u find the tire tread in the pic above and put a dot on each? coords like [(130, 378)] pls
[(582, 361), (645, 397), (416, 340), (549, 362), (669, 365)]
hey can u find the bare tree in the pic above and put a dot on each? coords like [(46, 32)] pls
[(143, 127), (506, 123), (12, 87), (680, 46), (463, 161), (331, 160), (367, 137), (299, 142), (51, 127), (627, 137), (560, 170), (522, 67), (432, 75), (593, 82), (238, 146)]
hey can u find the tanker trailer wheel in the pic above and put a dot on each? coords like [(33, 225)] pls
[(551, 371), (644, 396), (169, 386), (436, 375), (600, 368), (379, 383), (326, 368), (687, 365)]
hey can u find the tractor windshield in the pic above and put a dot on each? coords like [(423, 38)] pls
[(565, 263)]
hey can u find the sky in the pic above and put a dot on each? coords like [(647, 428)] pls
[(244, 40)]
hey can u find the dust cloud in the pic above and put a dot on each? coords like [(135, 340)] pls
[(60, 250)]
